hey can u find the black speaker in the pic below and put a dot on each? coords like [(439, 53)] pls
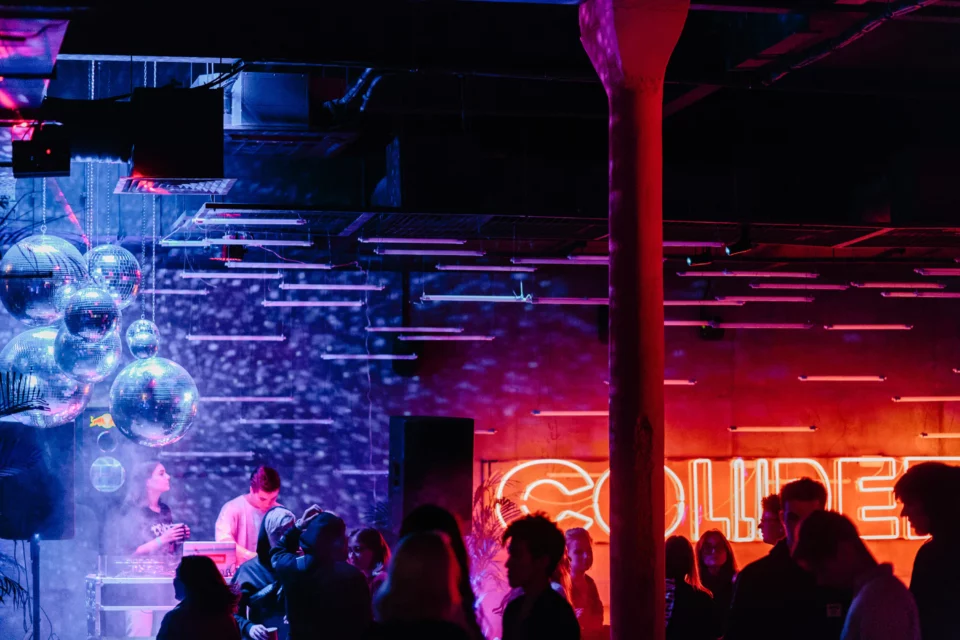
[(431, 462), (37, 482)]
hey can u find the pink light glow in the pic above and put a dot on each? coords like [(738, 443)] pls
[(702, 303), (799, 286), (868, 327), (747, 274), (773, 429), (926, 399), (920, 294), (842, 378), (898, 285), (428, 252), (765, 298), (763, 325)]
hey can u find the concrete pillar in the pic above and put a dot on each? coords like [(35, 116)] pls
[(629, 43)]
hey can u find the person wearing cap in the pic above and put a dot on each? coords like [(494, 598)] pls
[(326, 597)]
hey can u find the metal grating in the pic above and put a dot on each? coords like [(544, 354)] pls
[(174, 186)]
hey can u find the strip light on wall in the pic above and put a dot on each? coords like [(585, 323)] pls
[(702, 303), (560, 261), (747, 274), (679, 383), (228, 399), (743, 299), (429, 252), (945, 271), (332, 287), (920, 294), (426, 297), (446, 338), (799, 286), (235, 338), (182, 243), (942, 436), (692, 244), (252, 242), (263, 222), (367, 356), (285, 421), (485, 268), (312, 303), (295, 266), (810, 429), (868, 327), (926, 399), (573, 301), (571, 414), (411, 241), (842, 378), (175, 292), (763, 325), (898, 285), (687, 323), (485, 432), (414, 329), (223, 275)]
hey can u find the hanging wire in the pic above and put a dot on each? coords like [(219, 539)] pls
[(153, 264), (143, 249), (43, 210)]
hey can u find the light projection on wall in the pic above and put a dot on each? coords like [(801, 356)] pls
[(703, 494)]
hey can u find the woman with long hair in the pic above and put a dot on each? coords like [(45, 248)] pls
[(261, 600), (689, 607), (421, 595), (717, 568), (369, 552), (207, 604), (144, 527), (427, 518)]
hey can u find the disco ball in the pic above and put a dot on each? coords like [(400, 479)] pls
[(32, 353), (107, 442), (107, 474), (153, 401), (34, 275), (143, 339), (91, 313), (87, 360), (115, 269)]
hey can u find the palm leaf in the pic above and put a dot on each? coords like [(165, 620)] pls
[(19, 393)]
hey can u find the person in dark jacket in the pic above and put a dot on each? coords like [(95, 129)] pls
[(326, 597), (261, 599), (689, 608), (717, 568), (930, 493), (776, 593), (207, 604)]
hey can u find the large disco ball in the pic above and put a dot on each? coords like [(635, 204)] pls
[(143, 339), (32, 354), (115, 269), (35, 273), (154, 401), (107, 474), (87, 360), (91, 313)]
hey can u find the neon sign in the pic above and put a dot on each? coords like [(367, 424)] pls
[(702, 494)]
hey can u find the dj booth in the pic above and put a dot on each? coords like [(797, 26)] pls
[(142, 583)]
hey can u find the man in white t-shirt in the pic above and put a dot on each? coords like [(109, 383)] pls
[(883, 608), (239, 520)]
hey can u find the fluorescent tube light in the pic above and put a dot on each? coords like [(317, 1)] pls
[(941, 436), (679, 383), (426, 297), (702, 303), (763, 325), (367, 356), (228, 399), (561, 261), (446, 338), (428, 252), (263, 222), (312, 303), (868, 327), (285, 421), (573, 301), (175, 292), (773, 429), (898, 285), (225, 275), (926, 399), (252, 242), (687, 323), (765, 298), (920, 294), (482, 268), (332, 287), (235, 338), (411, 241), (295, 266), (947, 271), (414, 329), (842, 378), (571, 414), (799, 286), (747, 274), (693, 244)]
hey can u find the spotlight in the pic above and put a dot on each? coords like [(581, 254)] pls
[(742, 245), (701, 259)]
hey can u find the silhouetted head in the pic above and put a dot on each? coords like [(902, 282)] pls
[(829, 546), (198, 584), (264, 488), (275, 523), (798, 499), (368, 551), (930, 493), (422, 581), (679, 560), (326, 538), (535, 546)]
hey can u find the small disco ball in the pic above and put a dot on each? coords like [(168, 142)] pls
[(153, 401), (32, 354), (107, 474), (33, 276), (87, 360), (116, 270), (143, 339), (107, 442), (91, 313)]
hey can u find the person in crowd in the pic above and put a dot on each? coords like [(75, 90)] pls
[(207, 604), (535, 546), (326, 597), (240, 518), (261, 601), (717, 569), (776, 593), (144, 526), (829, 546), (369, 552), (689, 607), (560, 580), (421, 595), (429, 517), (583, 590), (930, 493), (771, 529)]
